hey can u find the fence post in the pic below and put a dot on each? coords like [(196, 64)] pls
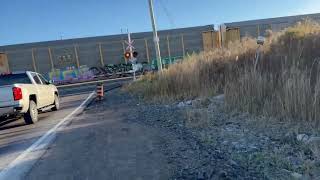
[(33, 60), (77, 57), (147, 50), (50, 58), (169, 50), (101, 55), (182, 41)]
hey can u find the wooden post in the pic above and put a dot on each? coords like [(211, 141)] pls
[(50, 58), (101, 55), (77, 57), (5, 62), (169, 50), (147, 50), (33, 61), (182, 41), (258, 30)]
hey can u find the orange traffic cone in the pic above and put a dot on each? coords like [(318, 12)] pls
[(100, 91)]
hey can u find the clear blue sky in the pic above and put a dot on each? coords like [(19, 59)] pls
[(25, 21)]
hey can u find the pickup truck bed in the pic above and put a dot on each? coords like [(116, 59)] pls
[(7, 103), (26, 93)]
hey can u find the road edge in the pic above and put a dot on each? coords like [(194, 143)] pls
[(22, 165)]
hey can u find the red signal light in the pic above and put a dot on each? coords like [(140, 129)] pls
[(127, 55)]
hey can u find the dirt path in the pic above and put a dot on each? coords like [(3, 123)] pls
[(103, 144)]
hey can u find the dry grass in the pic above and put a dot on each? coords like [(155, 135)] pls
[(199, 75), (286, 83)]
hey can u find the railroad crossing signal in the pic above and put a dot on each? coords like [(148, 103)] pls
[(130, 44), (127, 55), (131, 55)]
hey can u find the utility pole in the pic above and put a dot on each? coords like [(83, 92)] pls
[(155, 35)]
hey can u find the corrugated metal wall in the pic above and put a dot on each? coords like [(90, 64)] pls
[(232, 35), (257, 28), (98, 51), (211, 40)]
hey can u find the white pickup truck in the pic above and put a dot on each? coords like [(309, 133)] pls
[(26, 93)]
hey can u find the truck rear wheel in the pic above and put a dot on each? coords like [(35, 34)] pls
[(31, 116)]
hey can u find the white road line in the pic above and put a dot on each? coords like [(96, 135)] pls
[(19, 167)]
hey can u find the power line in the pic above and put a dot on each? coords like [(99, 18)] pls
[(167, 13)]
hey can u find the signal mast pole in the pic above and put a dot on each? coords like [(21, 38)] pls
[(130, 46), (132, 59), (155, 35)]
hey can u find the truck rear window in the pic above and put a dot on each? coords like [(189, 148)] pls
[(14, 79)]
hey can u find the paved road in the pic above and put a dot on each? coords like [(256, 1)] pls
[(103, 143), (16, 137)]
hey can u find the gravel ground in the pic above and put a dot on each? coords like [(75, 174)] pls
[(205, 141), (124, 137)]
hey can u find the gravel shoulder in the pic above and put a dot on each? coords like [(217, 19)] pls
[(125, 137), (209, 141)]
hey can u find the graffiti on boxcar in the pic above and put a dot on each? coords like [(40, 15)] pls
[(71, 74)]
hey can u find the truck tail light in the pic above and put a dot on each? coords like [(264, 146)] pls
[(17, 93)]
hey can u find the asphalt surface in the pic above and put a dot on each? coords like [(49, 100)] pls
[(103, 143), (16, 136)]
